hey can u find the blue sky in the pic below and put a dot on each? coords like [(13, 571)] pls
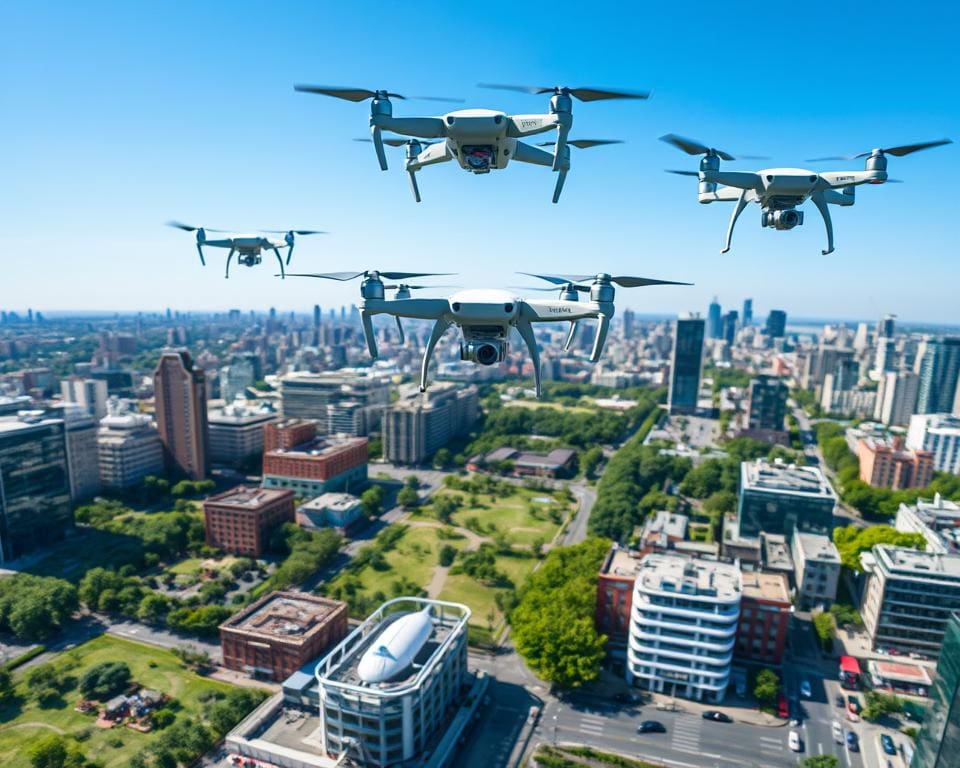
[(120, 116)]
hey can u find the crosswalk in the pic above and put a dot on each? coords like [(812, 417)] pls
[(771, 746), (591, 725), (686, 734)]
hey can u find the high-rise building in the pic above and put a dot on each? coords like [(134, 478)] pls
[(180, 394), (781, 498), (747, 312), (776, 326), (236, 433), (128, 449), (940, 434), (939, 742), (714, 320), (939, 373), (82, 460), (418, 426), (91, 394), (629, 324), (897, 397), (885, 358), (311, 395), (34, 483), (886, 328), (730, 326), (767, 406), (235, 379), (685, 364)]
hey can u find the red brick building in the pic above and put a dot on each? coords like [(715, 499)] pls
[(885, 464), (239, 520), (288, 434), (279, 633), (615, 582), (765, 610), (295, 458)]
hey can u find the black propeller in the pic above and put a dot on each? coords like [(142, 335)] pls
[(366, 273), (626, 281), (583, 143), (395, 142), (295, 231), (583, 94), (904, 149), (361, 94), (683, 173), (694, 147)]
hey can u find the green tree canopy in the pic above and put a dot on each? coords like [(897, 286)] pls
[(852, 541)]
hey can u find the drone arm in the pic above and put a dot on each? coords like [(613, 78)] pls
[(724, 194), (561, 178), (290, 252), (526, 333), (853, 178), (435, 153), (845, 196), (570, 336), (414, 187), (280, 261), (524, 153), (419, 309), (528, 125), (421, 127), (741, 204), (561, 160), (557, 311), (439, 328), (367, 319), (821, 203), (603, 325), (229, 259), (737, 179), (377, 134)]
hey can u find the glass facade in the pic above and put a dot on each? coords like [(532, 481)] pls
[(939, 743), (685, 365), (34, 485), (783, 513)]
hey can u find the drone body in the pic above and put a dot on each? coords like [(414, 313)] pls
[(479, 140), (779, 191), (247, 247), (485, 316)]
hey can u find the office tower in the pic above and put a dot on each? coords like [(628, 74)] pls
[(885, 357), (747, 312), (236, 433), (686, 362), (91, 394), (339, 401), (418, 426), (180, 394), (730, 326), (885, 464), (776, 324), (781, 498), (886, 327), (939, 372), (128, 448), (767, 405), (629, 324), (897, 398), (940, 434), (235, 379), (34, 483), (317, 314), (861, 339), (714, 320), (82, 462), (939, 742)]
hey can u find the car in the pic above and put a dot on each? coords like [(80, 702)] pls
[(887, 743), (651, 726), (717, 716), (793, 741), (853, 704), (839, 700), (796, 722), (624, 698), (805, 690), (853, 743), (783, 710), (837, 732)]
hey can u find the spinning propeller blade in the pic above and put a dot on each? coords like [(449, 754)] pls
[(295, 231), (583, 94), (904, 149), (583, 143), (694, 147), (181, 225), (683, 173), (395, 142), (361, 94), (626, 281), (365, 273)]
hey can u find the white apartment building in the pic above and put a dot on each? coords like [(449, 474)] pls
[(816, 563), (937, 520), (91, 394), (129, 449), (939, 433), (683, 626)]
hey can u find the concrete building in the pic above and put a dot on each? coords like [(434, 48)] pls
[(90, 394), (909, 597), (560, 462), (885, 464), (714, 320), (236, 433), (240, 520), (82, 452), (683, 624), (767, 405), (279, 633), (615, 584), (180, 394), (816, 564), (418, 426), (765, 610), (779, 498), (128, 448), (938, 521), (939, 742), (295, 458), (897, 397), (938, 433), (939, 376), (686, 364), (331, 510), (235, 379), (340, 401), (34, 483)]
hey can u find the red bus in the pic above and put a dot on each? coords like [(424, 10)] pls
[(849, 673)]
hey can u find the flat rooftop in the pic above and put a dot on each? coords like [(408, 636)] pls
[(320, 446), (621, 562), (340, 502), (779, 477), (284, 616), (684, 576), (776, 552), (900, 672), (917, 564), (23, 422), (243, 497), (667, 523), (816, 546), (765, 586)]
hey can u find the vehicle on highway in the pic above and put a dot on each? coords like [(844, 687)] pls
[(837, 732), (651, 726), (793, 741), (717, 716), (852, 743), (887, 743), (805, 689)]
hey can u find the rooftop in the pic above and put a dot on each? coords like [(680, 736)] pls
[(26, 420), (917, 564), (668, 524), (816, 546), (290, 616), (681, 575), (320, 446), (780, 477), (340, 502), (906, 673), (241, 412), (765, 586), (243, 497), (776, 552), (621, 562)]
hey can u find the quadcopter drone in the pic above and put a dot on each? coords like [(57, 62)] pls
[(480, 140), (779, 191), (247, 247), (485, 316)]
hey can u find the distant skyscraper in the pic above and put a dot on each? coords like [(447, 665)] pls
[(861, 339), (939, 371), (730, 326), (714, 320), (776, 323), (180, 393), (90, 394), (768, 403), (886, 326), (897, 397), (685, 364), (939, 742), (747, 312), (629, 324)]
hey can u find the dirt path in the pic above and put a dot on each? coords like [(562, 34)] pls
[(439, 578), (18, 726)]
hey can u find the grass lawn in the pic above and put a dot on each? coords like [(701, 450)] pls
[(187, 567), (24, 722), (554, 406)]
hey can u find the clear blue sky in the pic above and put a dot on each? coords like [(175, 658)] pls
[(119, 116)]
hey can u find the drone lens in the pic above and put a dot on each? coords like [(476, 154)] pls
[(508, 308), (486, 354)]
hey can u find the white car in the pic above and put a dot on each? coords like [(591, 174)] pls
[(805, 689), (794, 742), (837, 732)]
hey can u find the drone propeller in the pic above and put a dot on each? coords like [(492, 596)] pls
[(583, 94), (367, 273), (408, 287), (625, 281), (583, 143), (295, 231), (361, 94), (565, 286), (694, 147), (904, 149), (189, 228), (683, 173), (395, 142)]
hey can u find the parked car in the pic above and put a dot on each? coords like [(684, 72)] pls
[(651, 726), (805, 689), (783, 710), (853, 704), (852, 743), (793, 741), (837, 732), (887, 743), (624, 698), (716, 716)]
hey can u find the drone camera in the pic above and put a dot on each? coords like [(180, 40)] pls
[(483, 352), (249, 259), (479, 157), (782, 220)]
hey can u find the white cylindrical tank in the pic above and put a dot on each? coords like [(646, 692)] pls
[(396, 647)]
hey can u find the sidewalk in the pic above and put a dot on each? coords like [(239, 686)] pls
[(737, 708)]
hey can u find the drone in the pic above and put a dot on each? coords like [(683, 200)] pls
[(779, 191), (480, 140), (485, 316), (248, 247)]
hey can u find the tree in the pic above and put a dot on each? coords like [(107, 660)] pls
[(442, 458), (445, 506), (35, 607), (824, 626), (408, 498), (54, 751), (879, 704), (766, 686), (447, 555), (105, 680), (43, 683), (372, 501), (851, 541), (153, 609), (6, 685), (820, 761), (590, 460), (412, 481)]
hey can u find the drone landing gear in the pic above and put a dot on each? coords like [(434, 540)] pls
[(570, 336), (526, 333), (229, 259), (820, 201), (742, 201), (439, 329)]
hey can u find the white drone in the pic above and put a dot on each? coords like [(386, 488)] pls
[(485, 316), (480, 140), (779, 191), (248, 247)]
